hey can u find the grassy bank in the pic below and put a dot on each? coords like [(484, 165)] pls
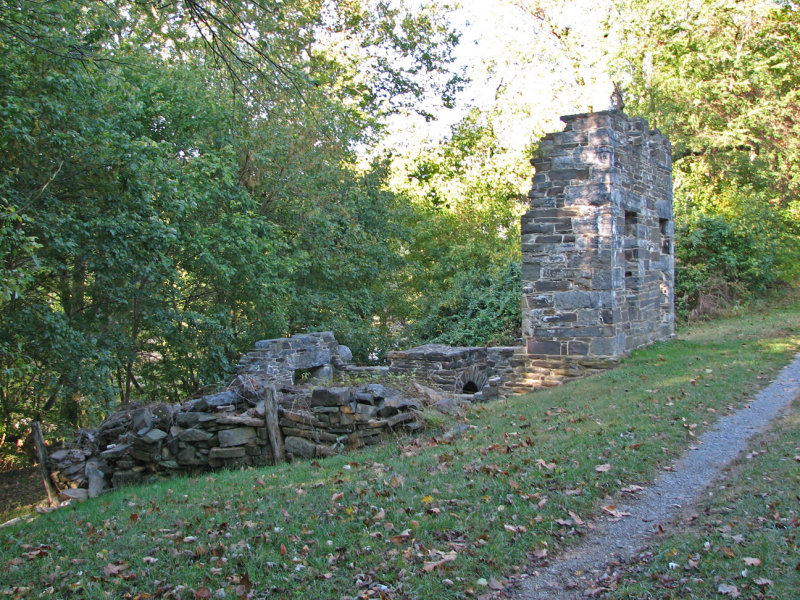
[(430, 517)]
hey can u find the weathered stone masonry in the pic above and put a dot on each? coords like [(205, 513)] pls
[(597, 247), (598, 270)]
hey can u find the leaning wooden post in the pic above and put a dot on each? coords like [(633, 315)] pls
[(273, 427), (41, 450)]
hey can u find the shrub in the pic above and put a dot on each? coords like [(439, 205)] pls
[(480, 308), (718, 262)]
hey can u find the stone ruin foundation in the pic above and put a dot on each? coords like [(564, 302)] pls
[(232, 428), (457, 370), (598, 272)]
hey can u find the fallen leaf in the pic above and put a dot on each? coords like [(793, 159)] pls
[(447, 557), (114, 569), (603, 468), (400, 538), (763, 581), (593, 591), (730, 590), (752, 562), (427, 499), (495, 585), (337, 496), (612, 510), (728, 552), (540, 553), (282, 550), (576, 518), (632, 489), (515, 528)]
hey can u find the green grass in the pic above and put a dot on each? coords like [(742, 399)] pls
[(744, 535), (413, 518)]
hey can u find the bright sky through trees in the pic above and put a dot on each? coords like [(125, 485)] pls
[(532, 61)]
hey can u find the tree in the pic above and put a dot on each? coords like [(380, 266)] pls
[(171, 175), (468, 195), (718, 77)]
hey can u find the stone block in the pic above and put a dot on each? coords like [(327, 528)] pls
[(236, 437), (544, 347), (300, 448), (195, 435), (573, 299), (193, 418), (552, 286), (141, 418), (153, 436), (335, 396), (243, 420), (223, 453), (114, 452)]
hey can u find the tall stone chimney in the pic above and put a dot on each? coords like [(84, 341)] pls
[(597, 246)]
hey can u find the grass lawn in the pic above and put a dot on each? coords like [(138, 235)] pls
[(427, 517)]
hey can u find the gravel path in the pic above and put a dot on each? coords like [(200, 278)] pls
[(574, 574)]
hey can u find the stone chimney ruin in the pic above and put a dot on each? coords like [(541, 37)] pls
[(597, 247)]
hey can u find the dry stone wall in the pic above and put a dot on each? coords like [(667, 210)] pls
[(232, 428), (278, 360), (458, 370)]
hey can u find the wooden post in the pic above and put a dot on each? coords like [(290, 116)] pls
[(41, 451), (273, 427)]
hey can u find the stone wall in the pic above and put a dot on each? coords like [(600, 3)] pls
[(231, 428), (278, 360), (597, 247), (456, 370)]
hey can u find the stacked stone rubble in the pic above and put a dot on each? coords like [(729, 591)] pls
[(277, 360), (334, 418), (228, 429)]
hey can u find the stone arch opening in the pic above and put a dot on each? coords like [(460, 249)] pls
[(470, 387)]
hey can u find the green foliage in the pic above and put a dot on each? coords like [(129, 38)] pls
[(467, 195), (718, 78), (177, 181), (718, 261), (480, 308)]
